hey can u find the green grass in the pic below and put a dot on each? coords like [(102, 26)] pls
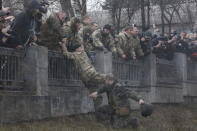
[(165, 118)]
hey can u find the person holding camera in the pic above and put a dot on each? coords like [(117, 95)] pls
[(182, 43), (6, 36), (164, 48), (146, 43)]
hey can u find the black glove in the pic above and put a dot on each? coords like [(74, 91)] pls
[(146, 110)]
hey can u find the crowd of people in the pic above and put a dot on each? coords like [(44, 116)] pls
[(27, 27), (78, 37), (164, 46), (20, 30)]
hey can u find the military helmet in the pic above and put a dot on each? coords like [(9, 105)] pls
[(112, 78), (72, 47), (149, 34), (108, 27), (146, 110)]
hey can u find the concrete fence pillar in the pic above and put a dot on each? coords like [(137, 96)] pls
[(103, 62), (186, 70), (35, 70), (181, 65), (159, 78), (149, 75)]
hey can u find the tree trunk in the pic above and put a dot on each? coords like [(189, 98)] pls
[(25, 3), (195, 22), (143, 15), (148, 14), (0, 4), (67, 7), (84, 8), (190, 19), (180, 19), (113, 14), (162, 16), (119, 19)]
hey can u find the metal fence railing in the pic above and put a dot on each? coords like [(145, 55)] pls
[(191, 70), (127, 71), (166, 71), (61, 71), (11, 68)]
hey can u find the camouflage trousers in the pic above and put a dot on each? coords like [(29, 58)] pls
[(95, 80), (107, 115)]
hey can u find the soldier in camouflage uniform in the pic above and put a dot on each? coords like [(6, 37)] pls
[(128, 44), (102, 39), (85, 33), (123, 39), (52, 31), (87, 71), (118, 111), (136, 42)]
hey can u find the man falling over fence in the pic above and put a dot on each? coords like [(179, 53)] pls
[(118, 108), (87, 72)]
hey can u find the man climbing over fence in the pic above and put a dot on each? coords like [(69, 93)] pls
[(118, 96)]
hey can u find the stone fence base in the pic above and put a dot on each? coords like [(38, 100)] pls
[(157, 81)]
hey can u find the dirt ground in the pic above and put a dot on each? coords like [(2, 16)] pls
[(165, 118)]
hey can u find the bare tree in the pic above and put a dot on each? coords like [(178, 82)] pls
[(67, 7), (82, 7), (143, 17), (0, 4), (15, 5), (162, 9), (190, 17), (195, 24), (148, 14), (74, 7), (169, 18), (121, 12)]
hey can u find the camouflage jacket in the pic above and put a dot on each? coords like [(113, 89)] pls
[(82, 63), (100, 41), (124, 45), (128, 45), (137, 46), (51, 32)]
